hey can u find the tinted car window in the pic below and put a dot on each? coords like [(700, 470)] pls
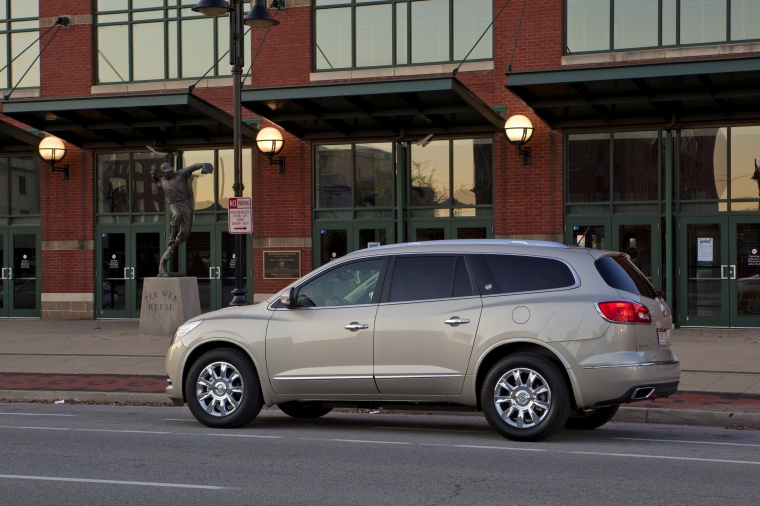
[(618, 272), (519, 273), (344, 285), (429, 277)]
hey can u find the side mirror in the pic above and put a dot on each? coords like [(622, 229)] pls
[(288, 298)]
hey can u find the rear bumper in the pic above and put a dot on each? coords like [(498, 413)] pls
[(625, 383), (645, 392)]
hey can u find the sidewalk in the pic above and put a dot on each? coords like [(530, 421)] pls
[(109, 361)]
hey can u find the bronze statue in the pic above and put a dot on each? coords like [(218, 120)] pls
[(179, 196)]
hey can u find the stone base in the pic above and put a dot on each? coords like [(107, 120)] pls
[(167, 303)]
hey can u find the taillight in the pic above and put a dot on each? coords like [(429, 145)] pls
[(623, 311)]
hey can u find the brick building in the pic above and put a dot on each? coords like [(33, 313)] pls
[(645, 118)]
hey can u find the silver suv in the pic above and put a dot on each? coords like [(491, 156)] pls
[(537, 335)]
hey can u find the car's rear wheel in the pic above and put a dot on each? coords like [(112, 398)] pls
[(304, 409), (589, 419), (223, 390), (525, 397)]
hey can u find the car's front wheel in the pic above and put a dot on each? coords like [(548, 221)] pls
[(223, 390), (589, 419), (304, 409), (525, 397)]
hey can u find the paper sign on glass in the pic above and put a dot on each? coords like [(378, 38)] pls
[(704, 249)]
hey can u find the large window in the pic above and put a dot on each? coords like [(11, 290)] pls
[(126, 192), (144, 40), (452, 178), (19, 30), (19, 186), (367, 33), (620, 167), (354, 176), (717, 166), (615, 25)]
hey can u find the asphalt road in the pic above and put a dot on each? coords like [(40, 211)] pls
[(95, 454)]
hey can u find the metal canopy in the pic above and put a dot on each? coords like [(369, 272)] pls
[(413, 107), (13, 138), (651, 94), (160, 120)]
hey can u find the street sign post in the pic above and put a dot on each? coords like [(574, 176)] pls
[(239, 215)]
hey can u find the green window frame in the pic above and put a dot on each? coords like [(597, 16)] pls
[(19, 31), (593, 26), (158, 40), (381, 33)]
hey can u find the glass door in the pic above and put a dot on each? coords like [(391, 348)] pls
[(126, 258), (744, 271), (588, 233), (438, 230), (704, 271), (209, 256), (19, 282), (640, 239)]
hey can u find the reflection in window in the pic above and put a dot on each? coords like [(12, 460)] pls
[(346, 285), (19, 29), (155, 42), (355, 176), (745, 19), (423, 278), (639, 150), (349, 33), (452, 174), (23, 192), (124, 182), (703, 155), (588, 168), (744, 157)]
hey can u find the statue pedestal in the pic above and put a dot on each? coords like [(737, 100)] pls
[(167, 303)]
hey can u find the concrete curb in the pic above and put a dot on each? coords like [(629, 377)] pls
[(94, 397), (691, 417)]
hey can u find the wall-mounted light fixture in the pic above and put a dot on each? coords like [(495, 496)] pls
[(269, 141), (518, 129), (53, 150)]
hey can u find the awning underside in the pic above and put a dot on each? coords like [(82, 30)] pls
[(13, 138), (398, 108), (653, 94), (160, 120)]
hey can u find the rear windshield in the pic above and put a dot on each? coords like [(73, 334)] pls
[(621, 274)]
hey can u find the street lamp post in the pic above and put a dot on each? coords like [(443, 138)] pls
[(258, 17)]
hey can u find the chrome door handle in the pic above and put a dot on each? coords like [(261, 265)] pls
[(133, 272), (218, 273), (356, 326), (455, 320), (3, 274), (211, 272), (723, 272), (732, 271)]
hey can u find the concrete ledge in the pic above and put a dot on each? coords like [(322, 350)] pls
[(688, 417)]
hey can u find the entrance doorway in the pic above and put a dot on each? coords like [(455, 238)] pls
[(19, 283), (127, 257), (720, 271), (209, 255)]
